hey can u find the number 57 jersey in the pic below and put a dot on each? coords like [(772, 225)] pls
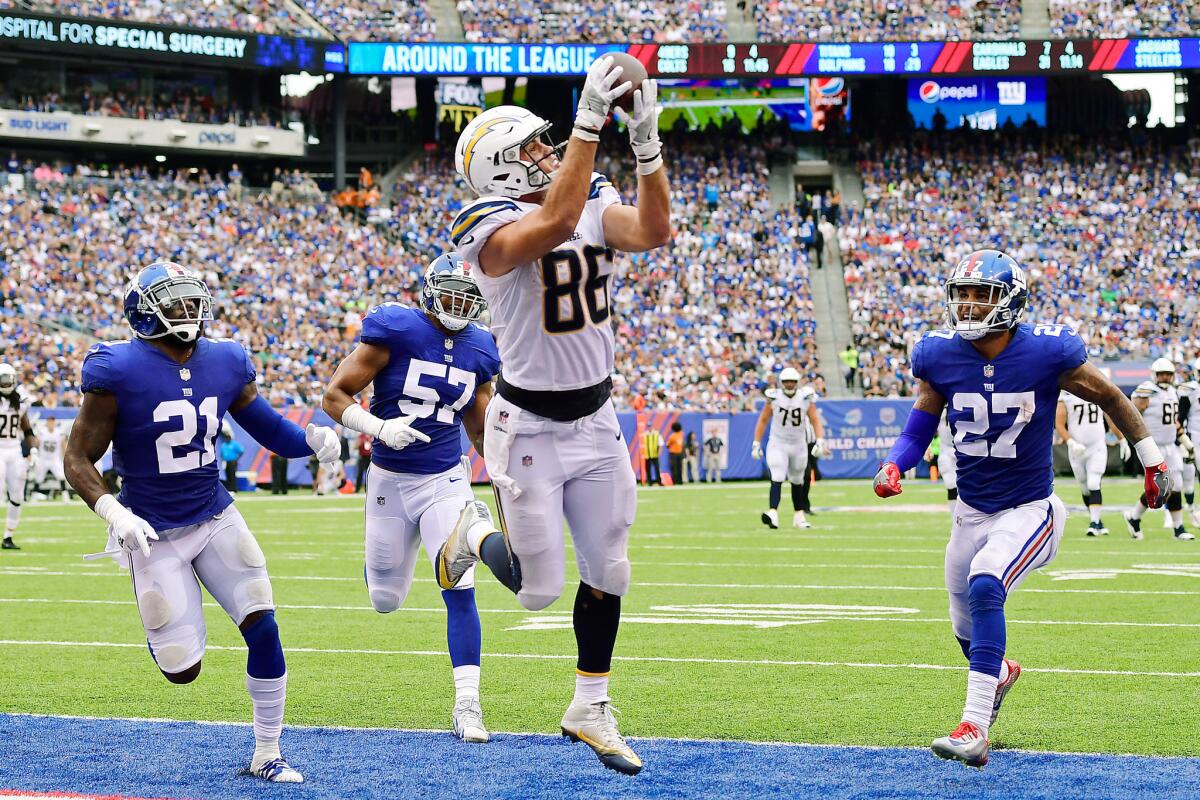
[(1001, 412), (550, 316), (168, 418)]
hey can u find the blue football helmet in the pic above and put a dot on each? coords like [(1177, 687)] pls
[(449, 292), (975, 316), (165, 299)]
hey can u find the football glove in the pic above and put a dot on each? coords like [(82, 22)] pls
[(399, 433), (643, 128), (819, 450), (33, 459), (756, 451), (131, 532), (1158, 485), (1076, 448), (600, 89), (1124, 450), (324, 443), (1185, 446), (887, 480)]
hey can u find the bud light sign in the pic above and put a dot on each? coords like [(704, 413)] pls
[(983, 103)]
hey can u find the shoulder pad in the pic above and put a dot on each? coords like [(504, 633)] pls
[(598, 182), (772, 394), (474, 213), (808, 391), (1146, 389)]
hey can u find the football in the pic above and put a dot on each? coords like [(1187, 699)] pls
[(635, 72)]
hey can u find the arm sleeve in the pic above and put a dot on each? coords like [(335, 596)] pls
[(272, 431), (919, 431), (97, 371)]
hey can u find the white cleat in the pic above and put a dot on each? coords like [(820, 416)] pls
[(594, 725), (770, 518), (798, 520), (468, 721), (276, 770), (1134, 526), (455, 557), (1182, 535), (966, 744)]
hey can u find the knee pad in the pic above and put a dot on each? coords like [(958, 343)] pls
[(1175, 501), (1093, 483), (249, 551), (176, 657), (385, 601), (258, 592), (536, 602), (154, 608), (616, 578)]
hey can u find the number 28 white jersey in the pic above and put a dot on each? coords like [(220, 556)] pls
[(550, 316), (1162, 412), (11, 434), (789, 414), (1085, 422)]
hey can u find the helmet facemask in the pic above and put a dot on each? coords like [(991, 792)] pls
[(182, 305), (973, 315), (455, 301), (8, 380), (537, 172)]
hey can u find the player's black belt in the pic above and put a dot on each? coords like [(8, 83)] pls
[(565, 406)]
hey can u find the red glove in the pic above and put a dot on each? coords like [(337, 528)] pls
[(887, 480), (1158, 485)]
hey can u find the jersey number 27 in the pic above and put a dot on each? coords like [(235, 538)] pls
[(979, 425)]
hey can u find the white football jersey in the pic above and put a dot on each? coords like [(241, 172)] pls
[(50, 444), (1162, 413), (1191, 390), (1085, 421), (789, 414), (11, 434), (550, 317)]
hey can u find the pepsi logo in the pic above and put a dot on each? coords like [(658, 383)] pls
[(829, 86), (930, 91)]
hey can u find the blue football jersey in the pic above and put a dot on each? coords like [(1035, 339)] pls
[(1001, 412), (168, 418), (429, 375)]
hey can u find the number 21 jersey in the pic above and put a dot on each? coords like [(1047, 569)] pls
[(1002, 411), (550, 316)]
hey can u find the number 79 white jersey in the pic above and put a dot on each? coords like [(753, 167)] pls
[(550, 316), (1161, 413), (790, 414)]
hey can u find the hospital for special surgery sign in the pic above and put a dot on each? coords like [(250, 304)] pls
[(78, 33)]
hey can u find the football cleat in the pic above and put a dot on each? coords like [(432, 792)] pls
[(966, 744), (468, 721), (455, 557), (1182, 535), (1134, 526), (1014, 672), (276, 770), (798, 520), (9, 544), (770, 518), (1094, 529), (1101, 530), (594, 725)]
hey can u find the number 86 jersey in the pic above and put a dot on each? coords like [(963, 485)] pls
[(550, 316), (1001, 412)]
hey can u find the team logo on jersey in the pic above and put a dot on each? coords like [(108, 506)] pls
[(988, 370), (449, 344), (380, 500), (526, 461), (185, 374), (503, 417)]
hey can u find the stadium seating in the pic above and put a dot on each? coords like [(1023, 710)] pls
[(183, 106), (594, 21), (254, 16), (1120, 18), (376, 20), (1103, 226), (873, 20)]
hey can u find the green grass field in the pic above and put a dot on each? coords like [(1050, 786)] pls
[(834, 635)]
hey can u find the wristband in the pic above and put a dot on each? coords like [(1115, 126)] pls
[(357, 418), (1148, 452), (108, 509)]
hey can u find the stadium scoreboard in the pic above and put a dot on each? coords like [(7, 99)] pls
[(767, 60)]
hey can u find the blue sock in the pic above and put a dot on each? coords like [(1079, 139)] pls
[(463, 635), (776, 493), (986, 598), (264, 658)]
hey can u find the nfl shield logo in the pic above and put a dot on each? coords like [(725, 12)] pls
[(380, 500), (503, 416), (449, 344), (527, 461), (989, 371), (185, 374)]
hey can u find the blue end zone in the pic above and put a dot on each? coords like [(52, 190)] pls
[(184, 759)]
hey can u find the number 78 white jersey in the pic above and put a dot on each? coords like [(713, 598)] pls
[(550, 316), (790, 414), (1085, 422)]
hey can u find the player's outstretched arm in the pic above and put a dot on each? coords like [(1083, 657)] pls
[(352, 376), (760, 428), (31, 440), (473, 418), (647, 225), (1089, 383), (919, 430), (279, 435), (552, 223)]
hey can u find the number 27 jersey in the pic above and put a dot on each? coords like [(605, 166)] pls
[(550, 316), (1002, 411)]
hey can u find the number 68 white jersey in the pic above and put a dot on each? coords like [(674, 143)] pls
[(790, 414), (1161, 413), (550, 316)]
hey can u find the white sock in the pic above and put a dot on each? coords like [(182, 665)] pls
[(268, 696), (1094, 511), (1177, 518), (477, 533), (1003, 672), (981, 696), (590, 688), (14, 517), (466, 682), (1138, 510)]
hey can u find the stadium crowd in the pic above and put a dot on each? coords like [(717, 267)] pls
[(376, 20), (252, 16), (1120, 18), (873, 20), (1109, 230), (594, 21), (183, 106)]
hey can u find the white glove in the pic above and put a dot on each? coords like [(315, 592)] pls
[(643, 128), (1124, 450), (599, 90), (465, 461), (756, 451), (1186, 446), (819, 450), (1076, 448), (33, 459), (399, 433), (131, 531), (324, 443)]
